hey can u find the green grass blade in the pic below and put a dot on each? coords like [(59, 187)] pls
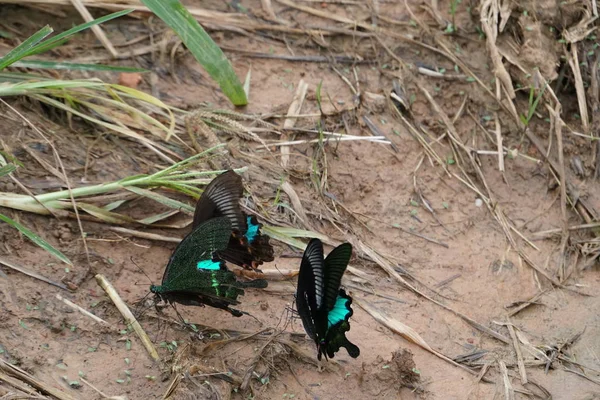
[(37, 64), (15, 77), (21, 50), (208, 54), (177, 205), (62, 37), (7, 169), (36, 239)]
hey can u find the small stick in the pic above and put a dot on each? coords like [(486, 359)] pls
[(558, 123), (82, 310), (268, 9), (145, 235), (18, 373), (579, 88), (550, 232), (520, 363), (100, 35), (527, 303), (499, 143), (33, 274), (509, 393), (126, 313), (294, 109)]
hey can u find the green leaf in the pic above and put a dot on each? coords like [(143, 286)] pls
[(208, 54), (7, 169), (39, 64), (63, 37), (21, 50), (178, 205), (36, 239)]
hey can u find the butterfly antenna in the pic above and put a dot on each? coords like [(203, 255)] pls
[(138, 267), (286, 280), (141, 304)]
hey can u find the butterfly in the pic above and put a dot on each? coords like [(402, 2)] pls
[(197, 276), (247, 247), (324, 308)]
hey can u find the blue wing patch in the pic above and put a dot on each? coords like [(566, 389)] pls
[(252, 230), (339, 312), (209, 265)]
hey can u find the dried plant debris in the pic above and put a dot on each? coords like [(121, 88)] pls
[(385, 378)]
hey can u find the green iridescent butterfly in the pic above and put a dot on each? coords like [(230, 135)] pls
[(196, 276), (324, 308)]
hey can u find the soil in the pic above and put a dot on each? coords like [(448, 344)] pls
[(379, 194)]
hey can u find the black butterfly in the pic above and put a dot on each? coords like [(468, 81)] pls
[(324, 308), (247, 247), (196, 276)]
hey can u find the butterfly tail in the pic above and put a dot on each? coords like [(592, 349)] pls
[(343, 341)]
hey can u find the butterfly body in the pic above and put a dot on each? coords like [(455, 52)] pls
[(247, 246), (196, 276), (324, 308)]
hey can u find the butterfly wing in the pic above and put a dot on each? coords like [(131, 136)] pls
[(338, 324), (197, 248), (248, 247), (221, 199), (309, 293), (249, 250), (335, 266), (338, 303)]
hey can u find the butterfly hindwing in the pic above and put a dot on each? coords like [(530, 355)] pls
[(248, 247), (338, 325)]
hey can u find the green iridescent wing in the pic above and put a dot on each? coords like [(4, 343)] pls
[(192, 268)]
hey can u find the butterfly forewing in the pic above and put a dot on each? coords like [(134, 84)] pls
[(309, 292), (221, 198), (335, 266), (198, 245)]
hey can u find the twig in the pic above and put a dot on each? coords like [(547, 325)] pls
[(294, 109), (527, 303), (579, 88), (145, 235), (515, 342), (100, 35), (509, 393), (82, 310), (33, 274), (126, 313), (39, 385)]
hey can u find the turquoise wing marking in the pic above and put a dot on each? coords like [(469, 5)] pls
[(252, 230), (339, 312), (209, 265)]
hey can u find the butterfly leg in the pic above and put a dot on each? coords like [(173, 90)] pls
[(320, 366)]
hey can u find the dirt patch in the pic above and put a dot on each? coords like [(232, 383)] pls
[(385, 378)]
